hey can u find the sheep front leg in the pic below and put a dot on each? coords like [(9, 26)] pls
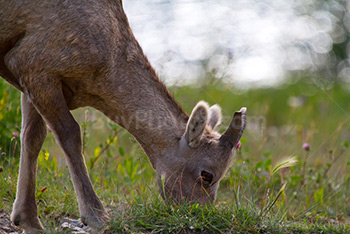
[(33, 133)]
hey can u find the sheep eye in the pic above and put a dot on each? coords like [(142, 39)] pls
[(206, 176)]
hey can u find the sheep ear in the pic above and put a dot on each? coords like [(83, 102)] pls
[(235, 130), (214, 116), (196, 124)]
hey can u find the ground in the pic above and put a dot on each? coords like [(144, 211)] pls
[(68, 225), (6, 225)]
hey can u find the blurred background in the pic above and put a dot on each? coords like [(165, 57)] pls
[(246, 42)]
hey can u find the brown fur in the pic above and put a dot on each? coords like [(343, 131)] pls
[(65, 54)]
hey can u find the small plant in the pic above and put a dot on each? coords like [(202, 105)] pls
[(281, 164), (10, 116)]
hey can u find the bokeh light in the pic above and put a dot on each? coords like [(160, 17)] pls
[(248, 42)]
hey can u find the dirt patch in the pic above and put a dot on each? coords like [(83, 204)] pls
[(67, 225), (6, 226)]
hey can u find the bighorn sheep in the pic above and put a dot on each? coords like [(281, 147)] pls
[(65, 54)]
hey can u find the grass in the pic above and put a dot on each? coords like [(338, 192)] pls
[(274, 185)]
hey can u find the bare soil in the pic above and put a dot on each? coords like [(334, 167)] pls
[(68, 225), (6, 226)]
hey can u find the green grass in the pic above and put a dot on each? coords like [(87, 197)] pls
[(265, 190)]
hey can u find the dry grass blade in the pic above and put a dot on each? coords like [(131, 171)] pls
[(284, 163)]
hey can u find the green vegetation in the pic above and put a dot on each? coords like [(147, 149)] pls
[(265, 191)]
